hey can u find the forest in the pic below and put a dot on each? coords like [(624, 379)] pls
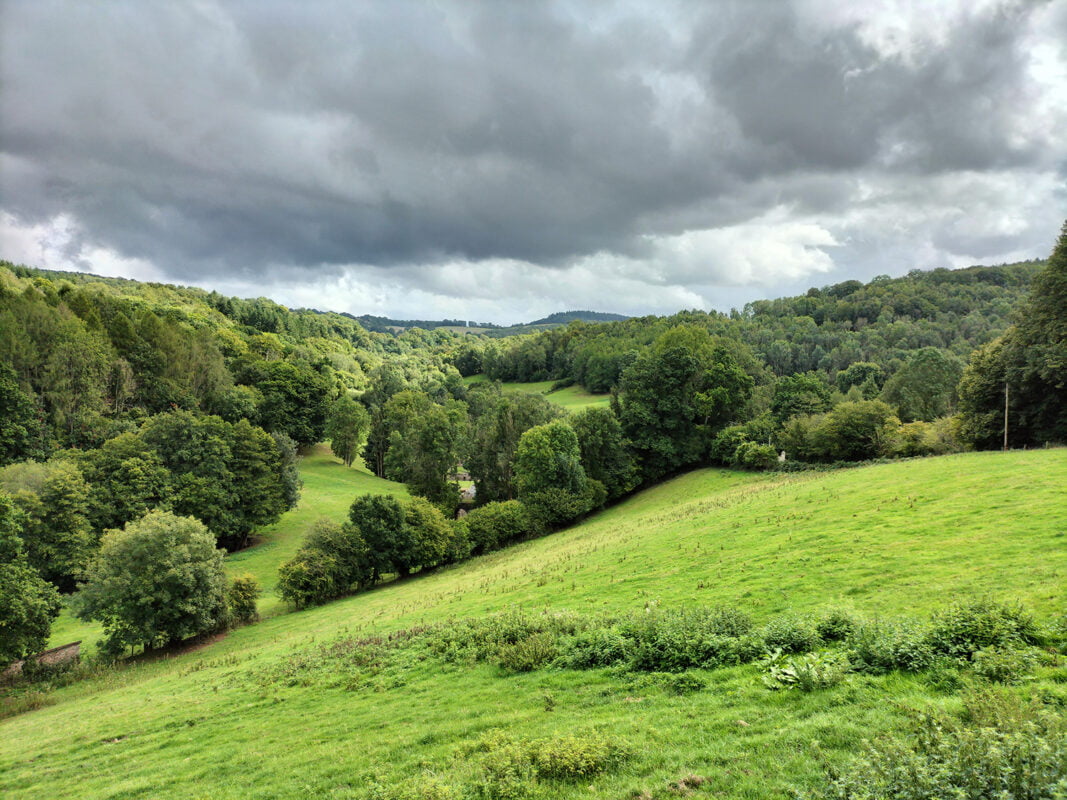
[(124, 401)]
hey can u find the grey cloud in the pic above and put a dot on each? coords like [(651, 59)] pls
[(212, 138)]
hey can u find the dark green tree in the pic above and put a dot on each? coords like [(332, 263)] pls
[(1028, 365), (867, 376), (491, 448), (22, 432), (294, 400), (605, 456), (156, 581), (390, 541), (231, 477), (127, 479), (925, 387), (676, 396), (805, 393), (57, 535), (28, 603), (347, 426)]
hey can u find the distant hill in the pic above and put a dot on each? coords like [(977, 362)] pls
[(388, 325), (563, 317)]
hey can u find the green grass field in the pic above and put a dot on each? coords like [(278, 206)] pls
[(572, 398), (260, 715)]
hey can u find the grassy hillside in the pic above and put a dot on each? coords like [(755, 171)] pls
[(267, 712), (572, 398)]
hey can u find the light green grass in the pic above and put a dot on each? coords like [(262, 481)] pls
[(900, 538), (572, 398)]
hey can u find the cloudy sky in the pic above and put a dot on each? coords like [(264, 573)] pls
[(501, 160)]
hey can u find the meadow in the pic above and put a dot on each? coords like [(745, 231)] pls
[(572, 398), (295, 706)]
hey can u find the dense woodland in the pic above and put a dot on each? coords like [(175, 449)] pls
[(130, 406)]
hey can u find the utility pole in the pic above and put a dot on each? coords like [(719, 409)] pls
[(1005, 415)]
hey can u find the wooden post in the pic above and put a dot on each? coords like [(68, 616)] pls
[(1005, 416)]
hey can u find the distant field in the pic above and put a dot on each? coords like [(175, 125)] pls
[(572, 398), (256, 716)]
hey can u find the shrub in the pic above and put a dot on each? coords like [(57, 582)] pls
[(309, 579), (528, 654), (572, 758), (835, 625), (1008, 749), (883, 646), (964, 628), (1002, 665), (751, 455), (592, 648), (513, 768), (791, 634), (807, 673), (670, 641), (494, 525), (332, 561), (241, 597)]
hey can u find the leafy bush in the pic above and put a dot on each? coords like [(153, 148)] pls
[(495, 525), (241, 595), (807, 673), (670, 641), (791, 634), (309, 579), (835, 625), (751, 455), (885, 645), (1002, 664), (513, 769), (964, 628), (1006, 749), (426, 787), (571, 758), (528, 654), (592, 648)]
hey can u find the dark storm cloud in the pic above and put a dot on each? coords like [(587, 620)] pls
[(217, 138)]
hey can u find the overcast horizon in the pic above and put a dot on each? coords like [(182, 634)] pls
[(500, 161)]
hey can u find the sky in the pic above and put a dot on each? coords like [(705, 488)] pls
[(501, 160)]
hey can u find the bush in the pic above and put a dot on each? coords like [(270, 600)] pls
[(964, 628), (596, 647), (572, 758), (671, 641), (513, 768), (835, 625), (751, 455), (1002, 665), (807, 673), (494, 525), (332, 561), (883, 646), (791, 634), (309, 579), (241, 597), (528, 654), (1007, 749)]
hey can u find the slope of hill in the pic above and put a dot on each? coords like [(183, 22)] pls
[(296, 707), (563, 317)]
